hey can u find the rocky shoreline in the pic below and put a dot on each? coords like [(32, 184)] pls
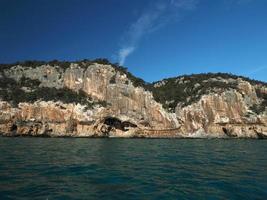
[(95, 99)]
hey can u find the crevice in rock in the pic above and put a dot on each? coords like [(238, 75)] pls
[(260, 135), (226, 132), (71, 126)]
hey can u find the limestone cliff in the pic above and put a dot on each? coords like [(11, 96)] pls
[(99, 99)]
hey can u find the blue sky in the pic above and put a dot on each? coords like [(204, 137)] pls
[(154, 39)]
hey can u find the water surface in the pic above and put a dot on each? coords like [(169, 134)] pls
[(76, 168)]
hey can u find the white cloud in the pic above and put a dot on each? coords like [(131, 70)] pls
[(123, 53), (153, 18)]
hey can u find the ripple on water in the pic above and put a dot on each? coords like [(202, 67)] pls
[(64, 168)]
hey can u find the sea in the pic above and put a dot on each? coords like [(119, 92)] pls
[(111, 168)]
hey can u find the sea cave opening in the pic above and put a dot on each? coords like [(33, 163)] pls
[(116, 123)]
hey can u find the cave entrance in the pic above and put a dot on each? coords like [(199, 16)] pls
[(116, 123), (13, 128), (224, 130)]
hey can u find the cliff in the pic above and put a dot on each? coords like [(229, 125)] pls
[(99, 99)]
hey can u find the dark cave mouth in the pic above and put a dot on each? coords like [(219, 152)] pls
[(13, 128), (116, 123), (225, 130)]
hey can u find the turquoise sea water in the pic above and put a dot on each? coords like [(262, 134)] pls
[(70, 168)]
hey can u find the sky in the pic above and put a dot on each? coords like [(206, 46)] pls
[(154, 39)]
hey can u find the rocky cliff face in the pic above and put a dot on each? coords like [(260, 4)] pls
[(89, 99)]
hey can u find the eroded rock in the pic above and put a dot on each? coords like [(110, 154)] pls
[(131, 111)]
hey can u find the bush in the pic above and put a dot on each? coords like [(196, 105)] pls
[(137, 82), (112, 80), (11, 91), (185, 92), (260, 108)]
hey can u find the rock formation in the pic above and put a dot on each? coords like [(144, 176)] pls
[(96, 99)]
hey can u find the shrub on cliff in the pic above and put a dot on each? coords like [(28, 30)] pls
[(188, 89), (137, 82), (260, 108), (12, 91)]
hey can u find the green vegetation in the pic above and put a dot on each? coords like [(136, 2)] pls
[(112, 80), (260, 108), (188, 89), (12, 91), (137, 82), (185, 89), (26, 82), (35, 63)]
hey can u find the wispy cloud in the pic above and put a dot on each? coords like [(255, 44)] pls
[(153, 18), (124, 52)]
